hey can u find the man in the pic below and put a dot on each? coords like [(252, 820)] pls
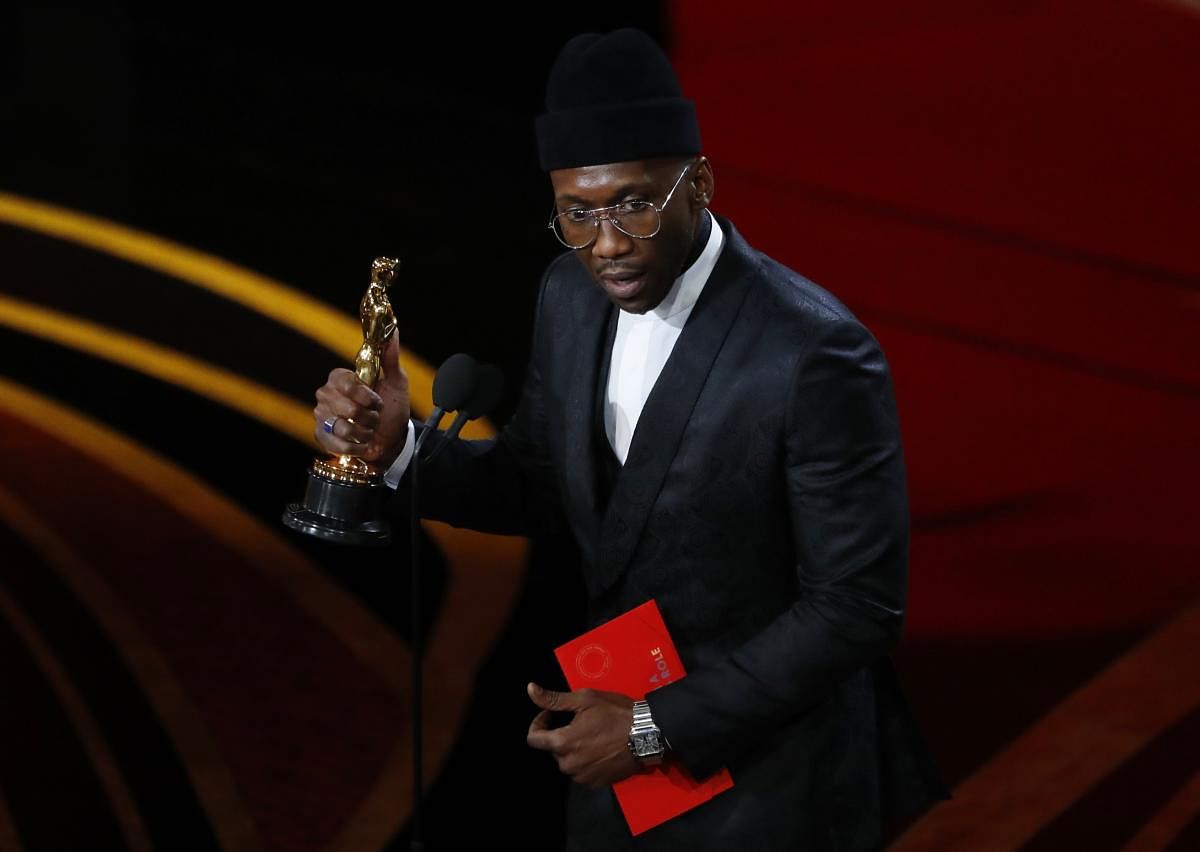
[(721, 436)]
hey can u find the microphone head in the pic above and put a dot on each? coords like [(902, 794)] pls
[(489, 387), (455, 382)]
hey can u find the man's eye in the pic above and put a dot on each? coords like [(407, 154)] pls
[(629, 208), (577, 217)]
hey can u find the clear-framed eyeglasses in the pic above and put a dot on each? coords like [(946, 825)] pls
[(578, 229)]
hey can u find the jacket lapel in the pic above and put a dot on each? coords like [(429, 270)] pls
[(584, 344), (667, 411)]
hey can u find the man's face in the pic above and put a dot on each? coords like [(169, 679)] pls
[(636, 274)]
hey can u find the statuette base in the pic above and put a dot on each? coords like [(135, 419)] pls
[(339, 511)]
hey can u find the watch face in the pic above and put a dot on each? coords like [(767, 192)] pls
[(647, 743)]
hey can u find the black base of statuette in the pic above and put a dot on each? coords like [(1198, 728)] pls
[(341, 513)]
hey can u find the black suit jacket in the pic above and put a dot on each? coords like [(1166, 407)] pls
[(763, 506)]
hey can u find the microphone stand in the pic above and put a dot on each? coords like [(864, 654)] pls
[(454, 382), (416, 844), (480, 403)]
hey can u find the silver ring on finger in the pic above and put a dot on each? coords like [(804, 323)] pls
[(329, 423)]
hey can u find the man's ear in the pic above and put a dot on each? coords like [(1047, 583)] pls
[(702, 183)]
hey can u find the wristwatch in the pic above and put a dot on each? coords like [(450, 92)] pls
[(646, 741)]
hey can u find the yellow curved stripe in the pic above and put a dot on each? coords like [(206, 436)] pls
[(250, 398), (312, 318), (485, 570)]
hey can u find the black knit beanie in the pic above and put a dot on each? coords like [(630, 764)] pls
[(612, 98)]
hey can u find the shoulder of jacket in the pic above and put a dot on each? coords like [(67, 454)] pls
[(790, 296), (564, 283), (798, 293), (563, 265)]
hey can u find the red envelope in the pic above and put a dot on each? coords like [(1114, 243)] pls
[(633, 654)]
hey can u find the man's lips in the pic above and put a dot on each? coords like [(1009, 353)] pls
[(623, 283)]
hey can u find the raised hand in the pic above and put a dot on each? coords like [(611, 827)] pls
[(368, 423)]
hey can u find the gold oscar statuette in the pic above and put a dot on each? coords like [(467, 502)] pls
[(344, 497)]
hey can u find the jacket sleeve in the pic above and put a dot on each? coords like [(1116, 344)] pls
[(848, 511)]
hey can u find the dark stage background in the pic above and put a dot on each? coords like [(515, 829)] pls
[(190, 200)]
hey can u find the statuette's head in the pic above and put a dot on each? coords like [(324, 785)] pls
[(383, 270)]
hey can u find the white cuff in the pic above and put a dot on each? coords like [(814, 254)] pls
[(392, 478)]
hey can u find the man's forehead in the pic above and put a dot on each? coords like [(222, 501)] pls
[(606, 177)]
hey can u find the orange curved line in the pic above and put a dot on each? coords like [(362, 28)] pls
[(126, 813), (1004, 803), (485, 575), (1168, 821), (211, 778), (355, 626), (482, 582), (9, 839)]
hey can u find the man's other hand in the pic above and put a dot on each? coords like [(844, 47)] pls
[(593, 747)]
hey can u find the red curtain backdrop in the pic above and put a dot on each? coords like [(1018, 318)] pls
[(1008, 195)]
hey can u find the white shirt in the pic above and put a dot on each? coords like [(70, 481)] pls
[(642, 345), (645, 341)]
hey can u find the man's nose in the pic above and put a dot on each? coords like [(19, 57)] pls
[(611, 241)]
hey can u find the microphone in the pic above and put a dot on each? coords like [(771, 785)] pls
[(489, 388), (453, 386)]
